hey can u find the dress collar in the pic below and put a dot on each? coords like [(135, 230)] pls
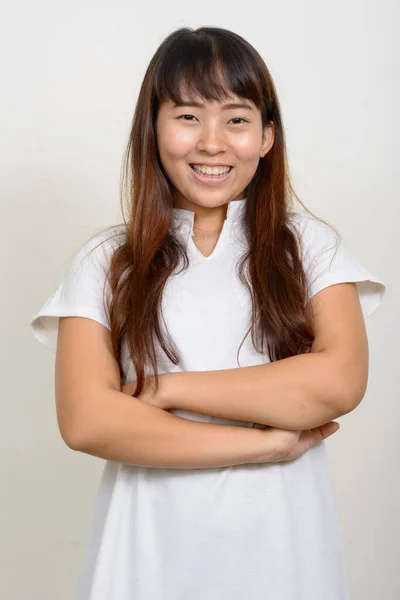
[(235, 207)]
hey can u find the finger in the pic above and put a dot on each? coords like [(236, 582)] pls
[(329, 428)]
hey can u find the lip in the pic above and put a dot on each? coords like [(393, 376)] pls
[(212, 165), (209, 180)]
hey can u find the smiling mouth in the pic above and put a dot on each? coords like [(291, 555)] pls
[(196, 170)]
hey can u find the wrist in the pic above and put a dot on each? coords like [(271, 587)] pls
[(267, 447)]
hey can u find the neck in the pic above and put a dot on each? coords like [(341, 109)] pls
[(209, 221)]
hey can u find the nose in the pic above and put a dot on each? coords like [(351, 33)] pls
[(211, 140)]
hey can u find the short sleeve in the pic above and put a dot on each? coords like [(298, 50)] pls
[(81, 293), (328, 261)]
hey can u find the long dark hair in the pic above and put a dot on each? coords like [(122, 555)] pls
[(150, 252)]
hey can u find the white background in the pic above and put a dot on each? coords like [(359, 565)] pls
[(70, 73)]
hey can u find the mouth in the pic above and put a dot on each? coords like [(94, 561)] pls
[(212, 167), (210, 180)]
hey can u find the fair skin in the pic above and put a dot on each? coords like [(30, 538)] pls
[(298, 393), (302, 393), (211, 133)]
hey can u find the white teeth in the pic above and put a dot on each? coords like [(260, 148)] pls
[(210, 170)]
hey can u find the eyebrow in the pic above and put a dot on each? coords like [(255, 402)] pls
[(228, 106)]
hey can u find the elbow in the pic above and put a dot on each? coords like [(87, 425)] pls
[(351, 383), (76, 424), (350, 402), (72, 440), (73, 436)]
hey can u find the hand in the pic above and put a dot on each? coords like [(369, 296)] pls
[(293, 444), (148, 393)]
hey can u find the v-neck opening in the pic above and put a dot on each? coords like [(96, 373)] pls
[(216, 247), (186, 217)]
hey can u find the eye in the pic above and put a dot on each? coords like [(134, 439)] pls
[(233, 119), (185, 116), (239, 119)]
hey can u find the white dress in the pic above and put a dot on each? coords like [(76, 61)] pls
[(244, 532)]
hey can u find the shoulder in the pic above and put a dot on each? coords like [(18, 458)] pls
[(312, 229), (97, 251), (328, 260), (317, 239)]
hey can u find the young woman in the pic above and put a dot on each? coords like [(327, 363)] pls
[(206, 346)]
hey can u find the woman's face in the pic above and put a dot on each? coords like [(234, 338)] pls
[(213, 133)]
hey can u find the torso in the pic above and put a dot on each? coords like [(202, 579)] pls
[(194, 528)]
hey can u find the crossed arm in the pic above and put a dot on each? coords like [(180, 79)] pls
[(299, 392)]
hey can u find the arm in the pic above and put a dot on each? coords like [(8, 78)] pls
[(299, 392), (96, 417), (124, 429)]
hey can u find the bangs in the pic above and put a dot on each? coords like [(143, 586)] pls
[(202, 67)]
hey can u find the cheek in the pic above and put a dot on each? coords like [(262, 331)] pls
[(247, 148), (176, 142)]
